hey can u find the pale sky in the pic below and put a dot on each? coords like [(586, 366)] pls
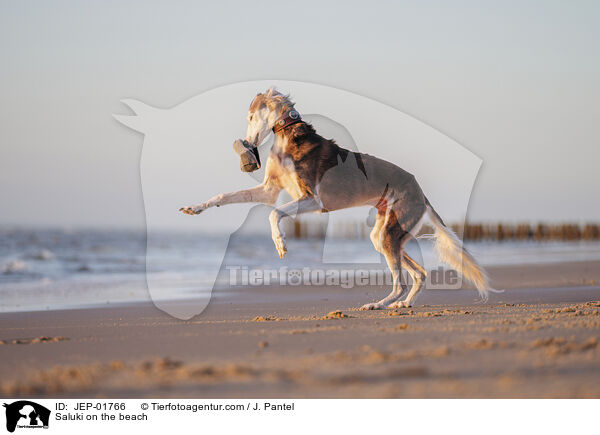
[(516, 83)]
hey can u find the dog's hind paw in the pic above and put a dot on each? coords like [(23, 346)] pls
[(400, 304), (373, 306)]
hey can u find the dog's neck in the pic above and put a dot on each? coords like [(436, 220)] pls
[(284, 140), (286, 119), (284, 128), (296, 140)]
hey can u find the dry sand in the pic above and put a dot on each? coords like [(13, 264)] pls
[(541, 338)]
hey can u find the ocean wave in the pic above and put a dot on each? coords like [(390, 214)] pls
[(15, 267)]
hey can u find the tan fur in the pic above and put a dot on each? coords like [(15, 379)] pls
[(452, 253)]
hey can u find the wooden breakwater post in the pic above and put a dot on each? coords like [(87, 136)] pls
[(470, 231)]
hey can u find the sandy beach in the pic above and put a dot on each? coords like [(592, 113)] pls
[(540, 338)]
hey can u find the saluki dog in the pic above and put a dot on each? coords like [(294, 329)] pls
[(305, 165)]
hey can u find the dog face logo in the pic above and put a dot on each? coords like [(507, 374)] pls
[(26, 414)]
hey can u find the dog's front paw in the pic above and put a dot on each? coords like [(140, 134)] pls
[(400, 304), (280, 246), (193, 209), (373, 306)]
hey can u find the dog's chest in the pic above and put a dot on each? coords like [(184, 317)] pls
[(288, 176)]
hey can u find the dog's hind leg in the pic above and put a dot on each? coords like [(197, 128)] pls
[(395, 268), (390, 243), (418, 275), (375, 235)]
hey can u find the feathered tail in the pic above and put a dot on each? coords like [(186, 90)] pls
[(451, 252)]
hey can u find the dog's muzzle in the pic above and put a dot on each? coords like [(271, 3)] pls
[(249, 158)]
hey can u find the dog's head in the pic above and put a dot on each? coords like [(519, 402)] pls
[(263, 113), (265, 110)]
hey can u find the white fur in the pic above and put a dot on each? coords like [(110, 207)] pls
[(452, 253), (260, 124)]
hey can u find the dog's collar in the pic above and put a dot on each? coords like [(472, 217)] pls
[(290, 118)]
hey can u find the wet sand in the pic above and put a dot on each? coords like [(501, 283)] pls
[(541, 338)]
